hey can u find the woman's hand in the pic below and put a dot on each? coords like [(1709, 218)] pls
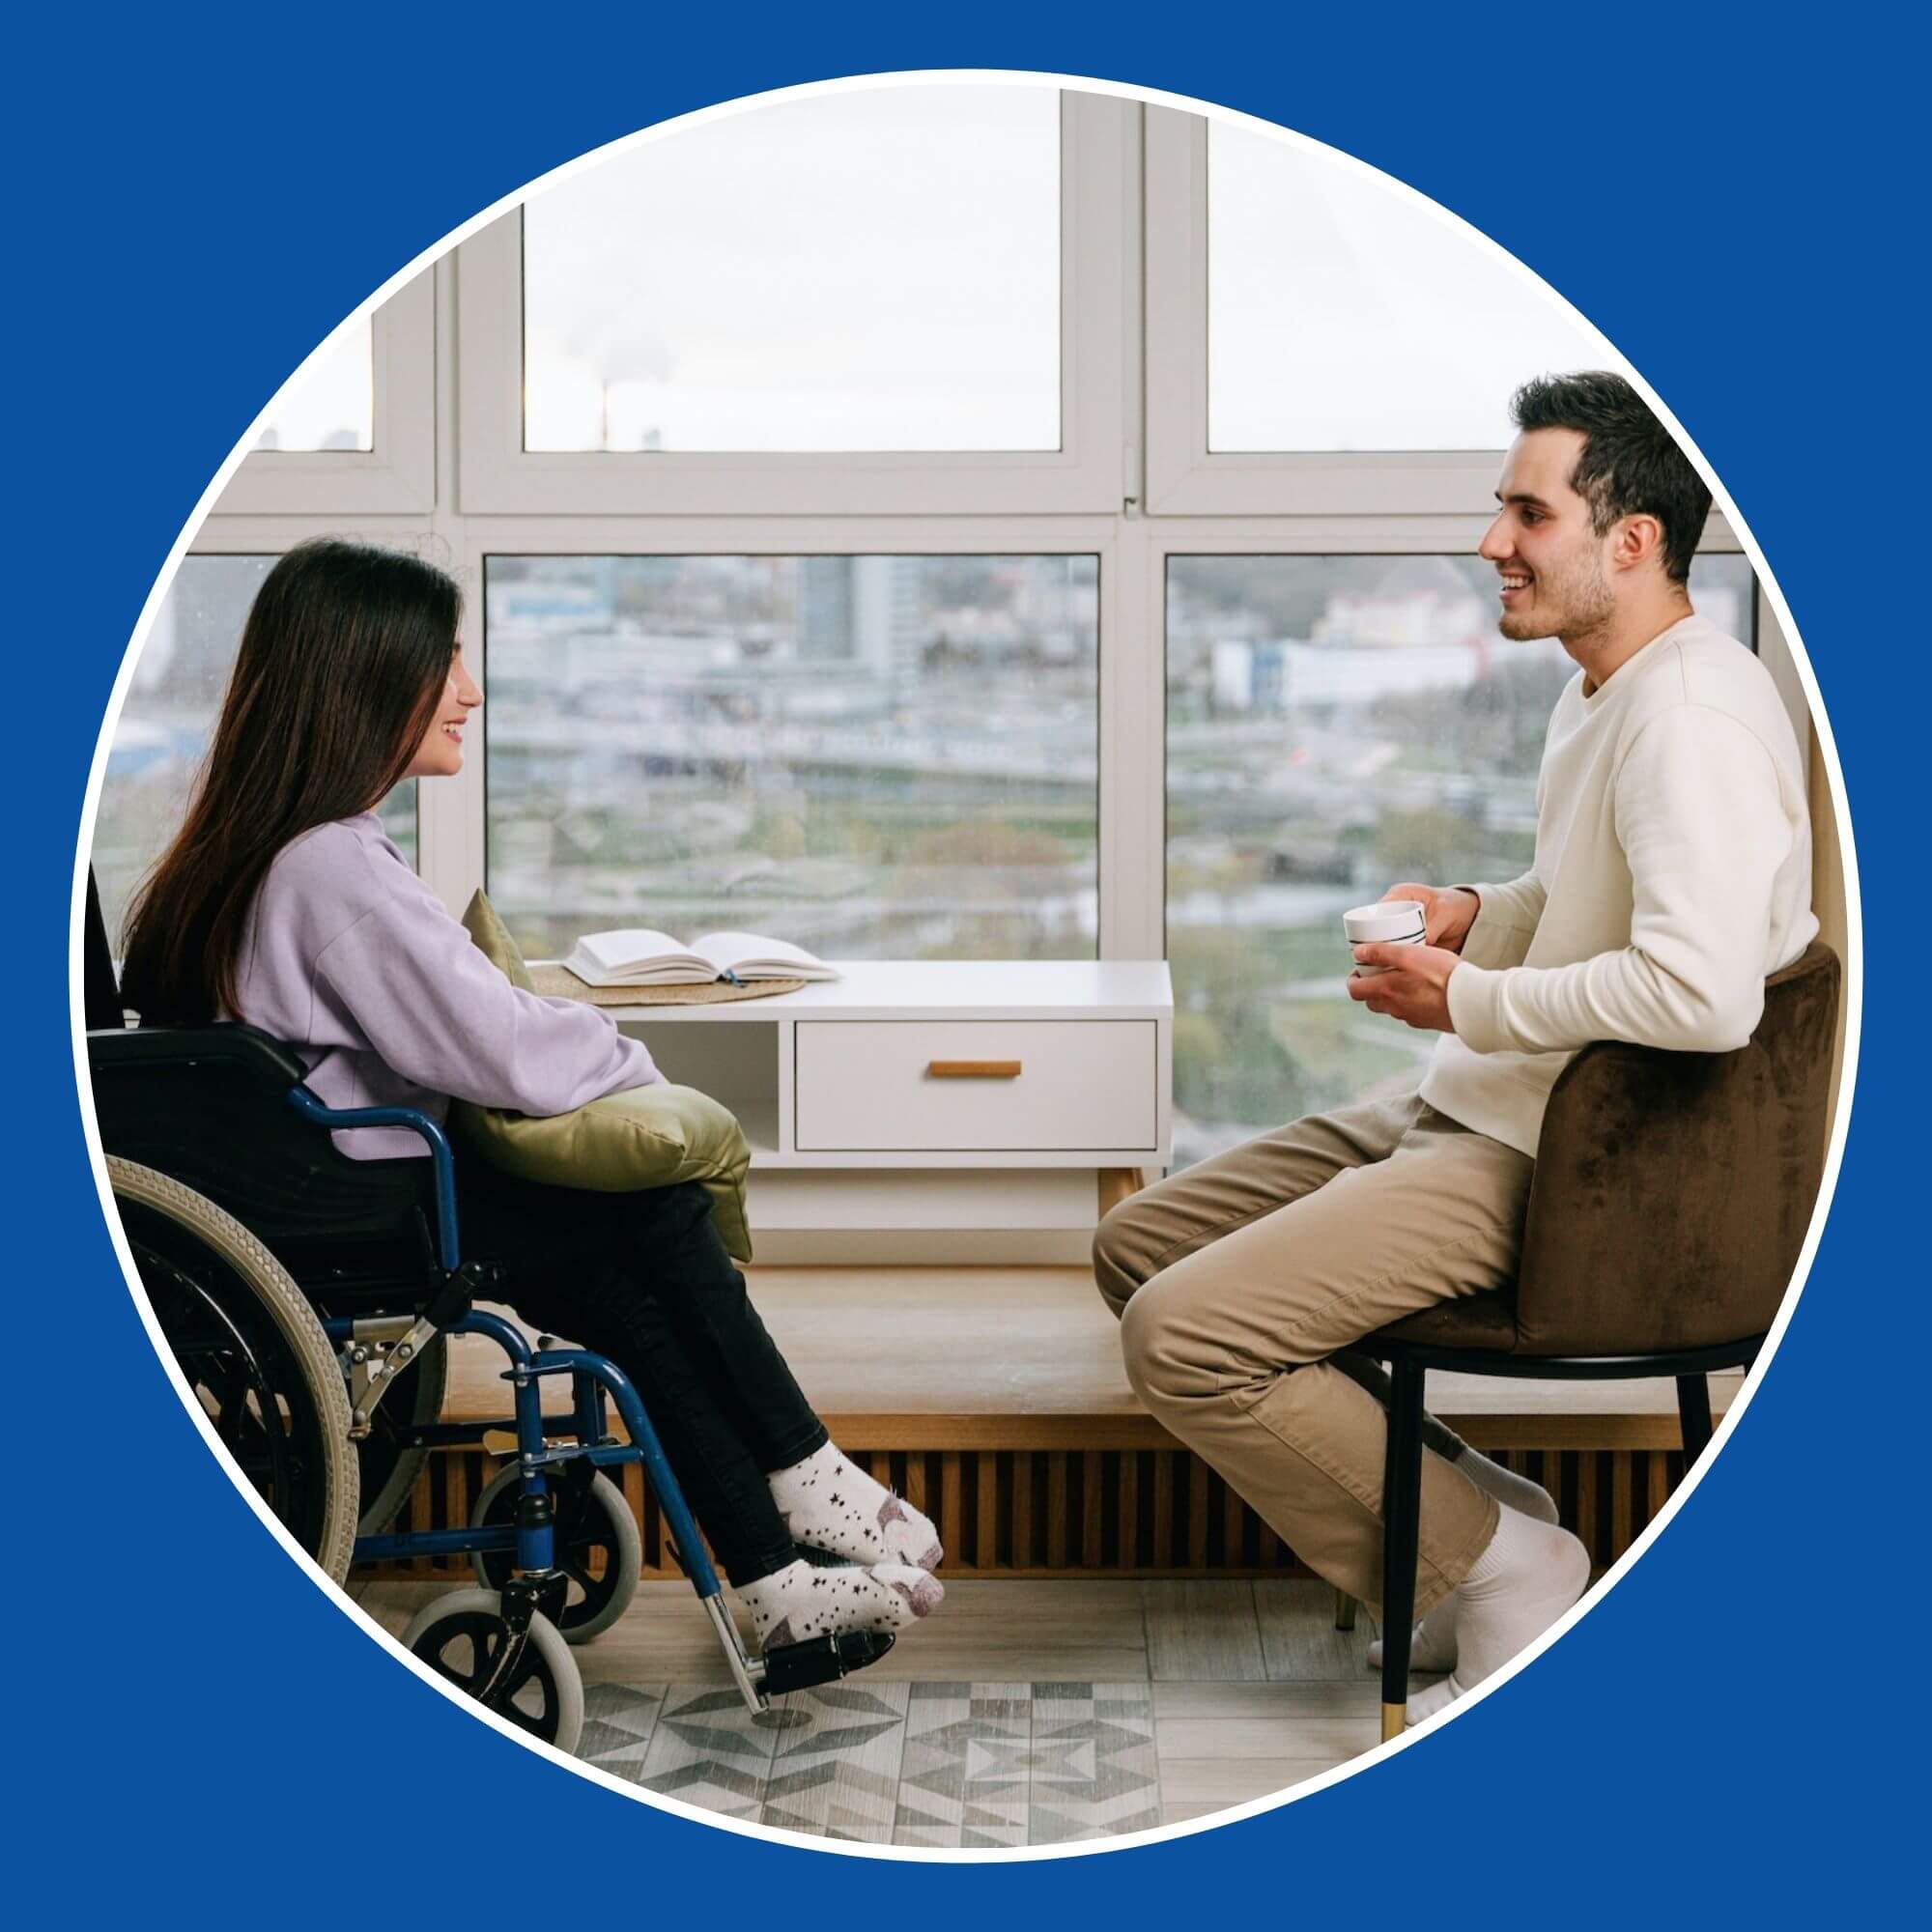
[(1449, 910)]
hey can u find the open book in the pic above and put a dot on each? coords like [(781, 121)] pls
[(639, 957)]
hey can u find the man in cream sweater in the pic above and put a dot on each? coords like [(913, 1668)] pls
[(1672, 874)]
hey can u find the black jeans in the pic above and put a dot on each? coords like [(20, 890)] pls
[(644, 1279)]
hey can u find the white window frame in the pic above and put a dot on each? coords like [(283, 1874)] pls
[(1134, 486), (936, 506), (1184, 476), (397, 476), (1099, 140)]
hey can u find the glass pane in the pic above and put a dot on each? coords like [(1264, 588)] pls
[(876, 270), (879, 757), (1335, 724), (169, 717), (333, 403), (1342, 314)]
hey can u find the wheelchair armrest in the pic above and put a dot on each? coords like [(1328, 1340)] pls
[(267, 1063)]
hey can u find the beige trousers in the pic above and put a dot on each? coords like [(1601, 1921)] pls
[(1241, 1283)]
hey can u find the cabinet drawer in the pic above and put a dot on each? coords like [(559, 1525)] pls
[(907, 1086)]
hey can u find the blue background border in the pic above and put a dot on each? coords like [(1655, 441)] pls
[(197, 199)]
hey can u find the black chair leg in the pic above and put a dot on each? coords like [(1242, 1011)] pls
[(1402, 1536), (1693, 1416)]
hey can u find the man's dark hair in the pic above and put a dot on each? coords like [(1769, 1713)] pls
[(1629, 466)]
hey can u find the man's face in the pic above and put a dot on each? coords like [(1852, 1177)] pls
[(1550, 562)]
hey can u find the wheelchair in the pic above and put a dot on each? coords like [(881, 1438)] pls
[(307, 1299)]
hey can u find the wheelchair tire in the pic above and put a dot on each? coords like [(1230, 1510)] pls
[(248, 1342), (606, 1523), (388, 1473), (456, 1636)]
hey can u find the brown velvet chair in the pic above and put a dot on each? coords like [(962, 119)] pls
[(1671, 1196)]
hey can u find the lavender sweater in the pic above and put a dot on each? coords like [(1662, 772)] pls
[(351, 958)]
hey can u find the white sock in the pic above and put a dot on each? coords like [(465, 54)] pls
[(798, 1602), (828, 1503), (1432, 1647), (1528, 1577), (1432, 1644)]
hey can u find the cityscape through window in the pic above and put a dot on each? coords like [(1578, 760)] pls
[(883, 757)]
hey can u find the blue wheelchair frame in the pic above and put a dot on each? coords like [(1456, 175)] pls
[(594, 1378), (375, 1351)]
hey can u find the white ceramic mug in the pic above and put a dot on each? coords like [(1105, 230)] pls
[(1391, 922)]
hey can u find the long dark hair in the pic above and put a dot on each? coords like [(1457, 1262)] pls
[(343, 662)]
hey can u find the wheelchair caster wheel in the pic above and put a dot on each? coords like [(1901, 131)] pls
[(598, 1528), (458, 1636)]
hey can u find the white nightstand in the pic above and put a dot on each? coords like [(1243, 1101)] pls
[(937, 1111)]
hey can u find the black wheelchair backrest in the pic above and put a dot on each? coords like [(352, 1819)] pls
[(209, 1105)]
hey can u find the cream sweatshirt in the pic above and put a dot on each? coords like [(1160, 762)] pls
[(1672, 874)]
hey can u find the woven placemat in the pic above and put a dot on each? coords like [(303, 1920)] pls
[(553, 980)]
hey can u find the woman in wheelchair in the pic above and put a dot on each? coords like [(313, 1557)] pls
[(282, 903)]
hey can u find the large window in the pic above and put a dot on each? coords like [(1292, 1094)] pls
[(331, 405), (1336, 724), (1344, 314), (163, 735), (875, 757), (963, 519), (864, 272)]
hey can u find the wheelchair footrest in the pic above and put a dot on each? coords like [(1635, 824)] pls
[(797, 1666)]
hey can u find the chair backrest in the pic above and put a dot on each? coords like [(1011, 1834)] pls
[(1673, 1190), (208, 1105)]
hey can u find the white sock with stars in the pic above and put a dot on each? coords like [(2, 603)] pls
[(1432, 1647), (828, 1503), (1530, 1574), (798, 1602)]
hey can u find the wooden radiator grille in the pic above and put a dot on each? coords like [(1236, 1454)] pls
[(1113, 1512)]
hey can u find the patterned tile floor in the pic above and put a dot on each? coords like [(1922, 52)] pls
[(1215, 1693)]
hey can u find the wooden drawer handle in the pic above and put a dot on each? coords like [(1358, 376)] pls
[(974, 1069)]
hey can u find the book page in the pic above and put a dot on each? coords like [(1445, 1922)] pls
[(634, 946), (728, 951)]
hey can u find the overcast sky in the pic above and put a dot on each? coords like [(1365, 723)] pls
[(880, 269)]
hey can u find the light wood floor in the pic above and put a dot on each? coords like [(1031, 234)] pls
[(1247, 1686), (1024, 1711)]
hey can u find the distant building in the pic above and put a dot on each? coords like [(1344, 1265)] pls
[(863, 609), (1413, 601)]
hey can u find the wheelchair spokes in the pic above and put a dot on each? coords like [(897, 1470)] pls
[(249, 1383)]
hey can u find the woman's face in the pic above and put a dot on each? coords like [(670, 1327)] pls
[(440, 756)]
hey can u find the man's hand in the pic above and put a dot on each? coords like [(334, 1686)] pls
[(1448, 910), (1415, 989)]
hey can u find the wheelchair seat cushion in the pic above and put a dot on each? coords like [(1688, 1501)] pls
[(653, 1136)]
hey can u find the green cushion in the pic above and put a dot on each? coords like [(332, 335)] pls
[(650, 1137)]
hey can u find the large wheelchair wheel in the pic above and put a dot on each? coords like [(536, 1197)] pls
[(596, 1543), (459, 1635), (251, 1349), (390, 1470)]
